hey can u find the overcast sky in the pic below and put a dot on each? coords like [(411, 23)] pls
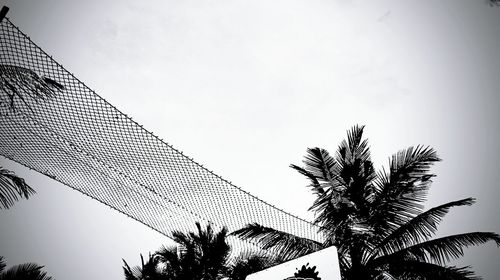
[(245, 87)]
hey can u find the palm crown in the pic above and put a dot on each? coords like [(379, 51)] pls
[(375, 219), (200, 255), (203, 255)]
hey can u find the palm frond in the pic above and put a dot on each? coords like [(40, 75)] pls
[(12, 188), (167, 254), (421, 270), (321, 169), (27, 271), (147, 270), (3, 264), (183, 239), (353, 148), (287, 245), (356, 169), (22, 82), (414, 162), (442, 250), (315, 184), (418, 229), (406, 168), (247, 263), (400, 194), (172, 259), (384, 275), (127, 271)]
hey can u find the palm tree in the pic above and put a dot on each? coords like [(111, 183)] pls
[(203, 256), (27, 271), (375, 219), (12, 188)]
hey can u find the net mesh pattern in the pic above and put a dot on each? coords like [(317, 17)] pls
[(53, 123)]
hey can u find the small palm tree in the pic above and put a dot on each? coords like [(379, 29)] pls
[(375, 219), (12, 188), (204, 256), (27, 271)]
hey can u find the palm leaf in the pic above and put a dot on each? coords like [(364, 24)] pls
[(414, 162), (353, 148), (384, 275), (441, 250), (147, 270), (247, 263), (127, 271), (428, 271), (315, 184), (168, 254), (27, 271), (288, 246), (400, 193), (20, 82), (3, 264), (321, 169), (12, 188), (418, 229), (170, 257)]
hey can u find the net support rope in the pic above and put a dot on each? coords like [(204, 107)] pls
[(53, 123)]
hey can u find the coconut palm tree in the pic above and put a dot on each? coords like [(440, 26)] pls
[(203, 255), (27, 271), (375, 219), (12, 188)]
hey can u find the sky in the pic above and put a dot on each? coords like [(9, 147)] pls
[(245, 87)]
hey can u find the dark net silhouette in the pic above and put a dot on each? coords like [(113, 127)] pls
[(53, 123)]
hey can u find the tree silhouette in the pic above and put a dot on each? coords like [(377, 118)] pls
[(200, 255), (203, 256), (375, 219)]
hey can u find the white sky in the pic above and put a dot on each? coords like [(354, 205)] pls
[(245, 87)]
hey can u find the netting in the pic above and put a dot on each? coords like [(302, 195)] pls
[(53, 123)]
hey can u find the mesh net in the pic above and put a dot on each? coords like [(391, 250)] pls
[(53, 123)]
